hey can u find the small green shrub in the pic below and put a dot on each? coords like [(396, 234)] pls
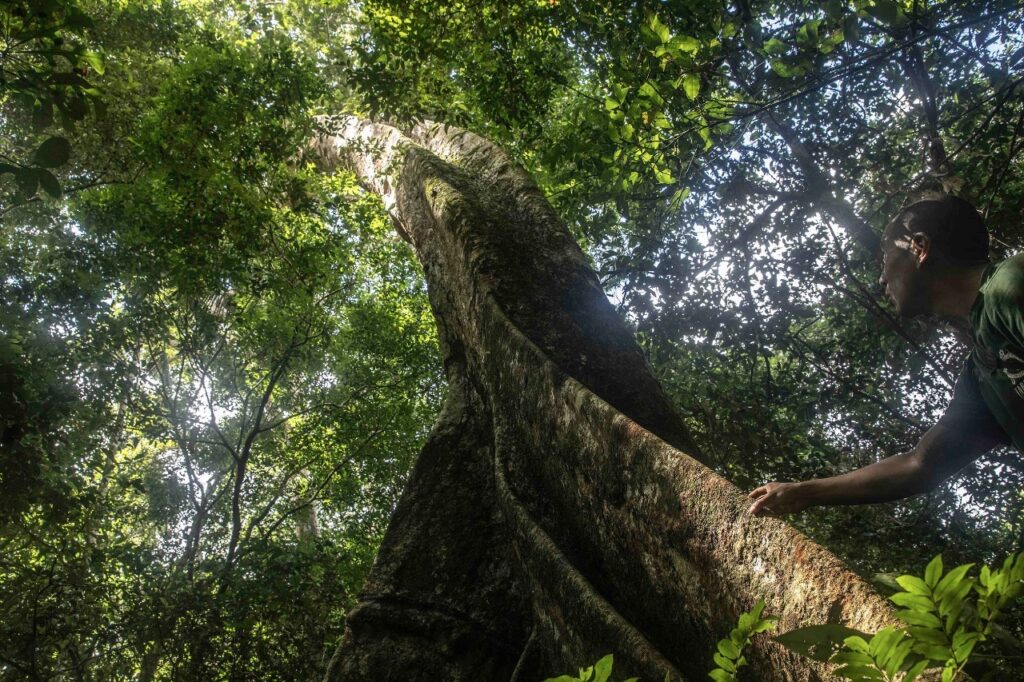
[(946, 617), (599, 672), (729, 655)]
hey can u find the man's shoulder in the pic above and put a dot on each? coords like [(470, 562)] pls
[(1005, 283)]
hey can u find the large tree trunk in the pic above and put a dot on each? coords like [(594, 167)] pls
[(558, 511)]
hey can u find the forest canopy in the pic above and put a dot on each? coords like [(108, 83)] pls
[(218, 364)]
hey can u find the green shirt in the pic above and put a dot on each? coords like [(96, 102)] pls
[(997, 322)]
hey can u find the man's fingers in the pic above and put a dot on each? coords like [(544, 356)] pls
[(757, 492), (759, 504)]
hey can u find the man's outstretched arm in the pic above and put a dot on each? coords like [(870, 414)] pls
[(941, 452)]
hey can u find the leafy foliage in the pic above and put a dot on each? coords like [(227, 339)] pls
[(599, 672), (947, 617), (222, 364), (216, 366), (44, 69), (729, 655)]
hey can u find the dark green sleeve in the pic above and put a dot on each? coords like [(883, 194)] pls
[(967, 411), (1005, 298)]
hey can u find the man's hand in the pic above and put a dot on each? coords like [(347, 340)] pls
[(941, 452), (778, 499)]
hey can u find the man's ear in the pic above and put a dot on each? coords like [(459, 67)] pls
[(921, 246)]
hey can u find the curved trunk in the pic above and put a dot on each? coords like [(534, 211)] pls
[(558, 511)]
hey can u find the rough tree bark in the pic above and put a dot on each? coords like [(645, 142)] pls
[(558, 511)]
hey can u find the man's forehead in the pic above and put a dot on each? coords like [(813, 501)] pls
[(898, 227)]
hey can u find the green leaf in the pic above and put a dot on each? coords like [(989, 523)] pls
[(28, 181), (832, 41), (913, 601), (852, 658), (786, 70), (807, 35), (915, 670), (724, 663), (964, 642), (95, 61), (648, 91), (933, 571), (951, 581), (883, 641), (892, 660), (686, 44), (1017, 572), (817, 642), (611, 104), (603, 669), (718, 675), (691, 85), (48, 181), (928, 635), (914, 585), (774, 47), (659, 29), (53, 152), (763, 626), (678, 198), (953, 599), (919, 618), (934, 652), (729, 649), (705, 134), (664, 176), (857, 643), (886, 11)]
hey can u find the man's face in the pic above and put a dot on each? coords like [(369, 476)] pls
[(901, 276)]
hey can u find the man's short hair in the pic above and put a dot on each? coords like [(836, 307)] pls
[(955, 227)]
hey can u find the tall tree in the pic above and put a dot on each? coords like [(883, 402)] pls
[(552, 515)]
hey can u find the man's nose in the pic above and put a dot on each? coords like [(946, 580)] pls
[(881, 280)]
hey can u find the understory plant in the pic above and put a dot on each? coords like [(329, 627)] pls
[(728, 654), (599, 672), (946, 615)]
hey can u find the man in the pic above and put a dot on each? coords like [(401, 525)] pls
[(935, 262)]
